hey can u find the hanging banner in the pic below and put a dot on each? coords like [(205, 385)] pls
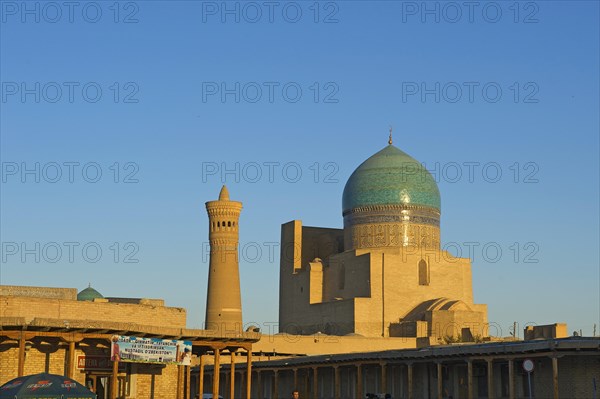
[(150, 350)]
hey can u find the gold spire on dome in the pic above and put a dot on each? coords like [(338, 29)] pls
[(224, 194), (390, 139)]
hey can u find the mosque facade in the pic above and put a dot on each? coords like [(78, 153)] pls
[(384, 274)]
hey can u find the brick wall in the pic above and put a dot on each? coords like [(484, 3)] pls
[(154, 382), (30, 308)]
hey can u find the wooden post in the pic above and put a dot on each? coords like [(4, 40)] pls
[(242, 385), (295, 378), (511, 379), (410, 380), (188, 383), (71, 362), (383, 377), (359, 382), (182, 384), (248, 374), (216, 373), (555, 376), (315, 383), (306, 383), (337, 388), (439, 380), (114, 380), (201, 376), (469, 379), (232, 377), (259, 394), (490, 378), (179, 387), (21, 355)]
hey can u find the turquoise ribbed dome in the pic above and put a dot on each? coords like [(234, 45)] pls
[(391, 177), (88, 294)]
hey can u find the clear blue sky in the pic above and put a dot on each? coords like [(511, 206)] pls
[(189, 89)]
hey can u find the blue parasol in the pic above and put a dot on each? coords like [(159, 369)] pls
[(45, 386)]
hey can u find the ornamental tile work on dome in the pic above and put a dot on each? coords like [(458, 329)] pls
[(88, 294), (389, 177), (391, 200)]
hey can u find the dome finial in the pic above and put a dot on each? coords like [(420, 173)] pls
[(390, 139)]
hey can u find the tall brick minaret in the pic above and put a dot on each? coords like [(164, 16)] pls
[(223, 302)]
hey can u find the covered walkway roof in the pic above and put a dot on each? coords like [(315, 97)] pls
[(12, 327), (581, 345)]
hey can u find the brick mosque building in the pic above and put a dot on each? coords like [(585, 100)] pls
[(383, 274)]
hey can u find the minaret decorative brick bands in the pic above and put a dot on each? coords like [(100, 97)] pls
[(223, 302)]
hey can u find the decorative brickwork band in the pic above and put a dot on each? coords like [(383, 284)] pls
[(392, 226)]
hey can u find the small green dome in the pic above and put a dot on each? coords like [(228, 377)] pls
[(88, 294), (391, 177)]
